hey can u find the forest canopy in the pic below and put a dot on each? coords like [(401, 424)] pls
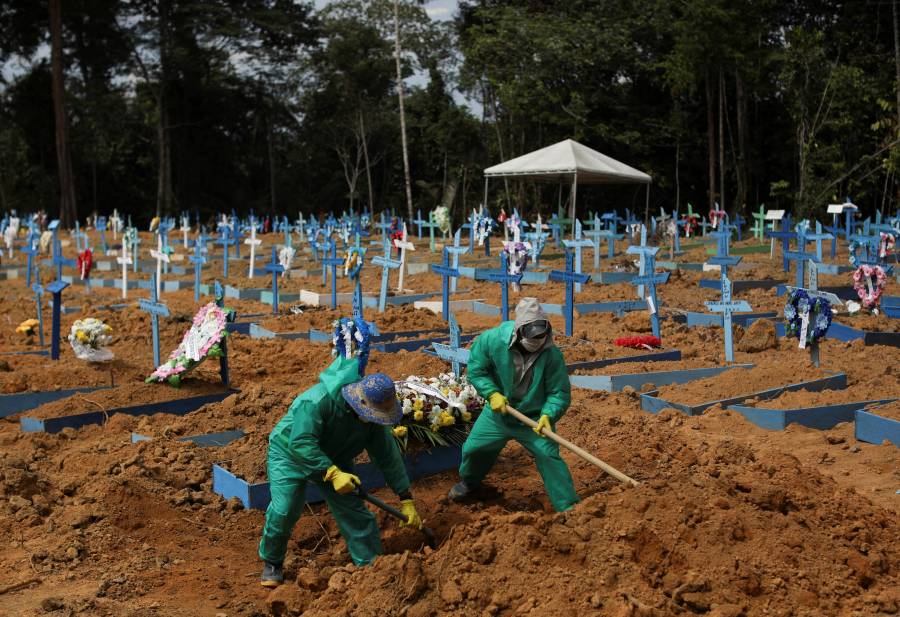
[(166, 106)]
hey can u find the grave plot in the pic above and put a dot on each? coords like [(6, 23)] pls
[(878, 424), (731, 387)]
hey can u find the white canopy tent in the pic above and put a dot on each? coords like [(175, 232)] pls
[(567, 161)]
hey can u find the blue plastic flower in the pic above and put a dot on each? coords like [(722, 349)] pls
[(789, 312)]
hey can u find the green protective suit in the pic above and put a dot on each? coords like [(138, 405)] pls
[(318, 431), (492, 369)]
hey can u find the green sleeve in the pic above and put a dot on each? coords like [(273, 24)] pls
[(385, 453), (556, 386), (481, 365), (306, 434)]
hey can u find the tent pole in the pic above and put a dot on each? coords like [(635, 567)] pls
[(647, 205), (484, 205), (574, 197)]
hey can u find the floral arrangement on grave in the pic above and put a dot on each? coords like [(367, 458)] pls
[(885, 245), (671, 228), (129, 237), (285, 257), (29, 327), (84, 263), (869, 282), (202, 340), (484, 227), (344, 233), (364, 220), (350, 339), (441, 216), (691, 224), (437, 411), (516, 259), (716, 217), (353, 263), (802, 228), (154, 223), (807, 317), (45, 241), (639, 342), (89, 339)]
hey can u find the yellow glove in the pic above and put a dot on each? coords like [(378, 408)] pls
[(544, 422), (498, 402), (409, 511), (342, 481)]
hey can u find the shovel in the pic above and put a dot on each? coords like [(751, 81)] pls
[(429, 535), (568, 445)]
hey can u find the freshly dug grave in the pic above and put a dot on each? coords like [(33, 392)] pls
[(869, 322), (891, 411), (799, 399)]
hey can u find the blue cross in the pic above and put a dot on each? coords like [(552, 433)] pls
[(31, 249), (812, 288), (38, 292), (570, 278), (59, 261), (579, 243), (642, 251), (800, 257), (56, 288), (225, 241), (198, 260), (737, 224), (452, 352), (419, 222), (785, 235), (650, 280), (387, 264), (456, 250), (722, 258), (275, 268), (504, 278), (156, 309), (471, 225), (727, 306), (101, 227), (135, 244), (447, 272), (333, 261), (818, 237)]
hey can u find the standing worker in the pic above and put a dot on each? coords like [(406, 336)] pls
[(517, 363), (324, 429)]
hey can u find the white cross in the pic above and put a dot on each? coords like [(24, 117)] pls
[(404, 246), (253, 242), (160, 256), (185, 228), (125, 260), (116, 221), (299, 228)]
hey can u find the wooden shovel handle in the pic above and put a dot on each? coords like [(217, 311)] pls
[(565, 443)]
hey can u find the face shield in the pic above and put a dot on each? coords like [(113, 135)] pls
[(533, 335)]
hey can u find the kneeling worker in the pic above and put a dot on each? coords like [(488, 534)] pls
[(517, 363), (324, 429)]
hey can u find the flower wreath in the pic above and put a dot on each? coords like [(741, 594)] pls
[(350, 339), (886, 246), (516, 259), (89, 338), (353, 262), (802, 228), (715, 217), (639, 342), (869, 282), (853, 249), (344, 233), (671, 228), (129, 237), (84, 262), (484, 228), (201, 341), (441, 217), (691, 224), (818, 316), (364, 221), (285, 257)]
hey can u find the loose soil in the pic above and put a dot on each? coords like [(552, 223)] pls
[(730, 519)]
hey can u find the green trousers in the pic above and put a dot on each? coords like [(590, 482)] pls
[(288, 487), (490, 433)]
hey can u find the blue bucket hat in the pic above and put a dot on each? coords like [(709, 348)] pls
[(374, 399)]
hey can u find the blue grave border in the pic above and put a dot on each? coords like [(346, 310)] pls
[(654, 404), (615, 383), (178, 407), (418, 465), (822, 417), (11, 404), (872, 428), (207, 440)]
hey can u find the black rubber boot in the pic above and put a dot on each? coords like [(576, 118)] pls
[(463, 490), (272, 575)]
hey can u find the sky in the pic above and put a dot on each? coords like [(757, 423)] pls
[(436, 9)]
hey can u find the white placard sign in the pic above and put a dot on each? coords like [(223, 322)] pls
[(774, 215)]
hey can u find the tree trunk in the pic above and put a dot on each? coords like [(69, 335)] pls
[(164, 184), (721, 140), (270, 155), (406, 174), (711, 139), (741, 111), (68, 211), (365, 145), (677, 175)]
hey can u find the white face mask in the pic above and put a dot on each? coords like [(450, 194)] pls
[(532, 344)]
